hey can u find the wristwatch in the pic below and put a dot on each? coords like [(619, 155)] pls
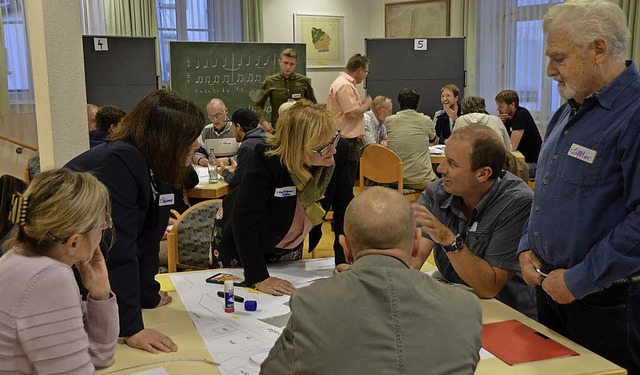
[(458, 244)]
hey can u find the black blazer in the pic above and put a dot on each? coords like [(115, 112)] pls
[(139, 224), (337, 197), (259, 220)]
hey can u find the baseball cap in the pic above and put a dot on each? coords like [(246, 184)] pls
[(245, 117)]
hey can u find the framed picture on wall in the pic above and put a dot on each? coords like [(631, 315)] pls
[(324, 37), (416, 19)]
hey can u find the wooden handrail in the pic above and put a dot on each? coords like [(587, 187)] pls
[(18, 143)]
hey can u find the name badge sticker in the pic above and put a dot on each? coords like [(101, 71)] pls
[(166, 200), (296, 96), (283, 192), (582, 153)]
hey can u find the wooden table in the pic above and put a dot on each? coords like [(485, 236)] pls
[(205, 190), (174, 321)]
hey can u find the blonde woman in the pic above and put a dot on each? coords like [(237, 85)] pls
[(278, 201), (45, 327)]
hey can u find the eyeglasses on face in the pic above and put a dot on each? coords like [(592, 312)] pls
[(324, 150)]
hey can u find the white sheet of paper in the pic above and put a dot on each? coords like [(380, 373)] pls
[(319, 264)]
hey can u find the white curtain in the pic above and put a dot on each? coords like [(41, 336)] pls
[(18, 60), (510, 55), (93, 17)]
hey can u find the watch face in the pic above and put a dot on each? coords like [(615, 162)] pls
[(459, 244)]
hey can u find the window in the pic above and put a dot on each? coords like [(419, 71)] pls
[(196, 20), (512, 51), (17, 52)]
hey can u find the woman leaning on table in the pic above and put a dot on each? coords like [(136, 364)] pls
[(45, 326), (150, 150), (278, 201)]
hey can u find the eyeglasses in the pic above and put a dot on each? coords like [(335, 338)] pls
[(218, 114), (324, 150), (365, 70)]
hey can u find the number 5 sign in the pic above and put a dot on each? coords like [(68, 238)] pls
[(419, 44)]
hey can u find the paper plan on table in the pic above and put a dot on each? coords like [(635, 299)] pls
[(239, 340)]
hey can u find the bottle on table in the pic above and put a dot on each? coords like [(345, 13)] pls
[(213, 172)]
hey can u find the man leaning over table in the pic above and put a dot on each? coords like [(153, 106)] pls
[(584, 229), (400, 320), (473, 216)]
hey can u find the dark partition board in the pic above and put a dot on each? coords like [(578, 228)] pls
[(121, 75), (232, 72), (396, 65)]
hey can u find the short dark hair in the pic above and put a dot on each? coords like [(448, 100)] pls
[(487, 150), (108, 115), (163, 126), (408, 99), (357, 61), (508, 96)]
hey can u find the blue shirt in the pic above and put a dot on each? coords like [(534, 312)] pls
[(585, 215)]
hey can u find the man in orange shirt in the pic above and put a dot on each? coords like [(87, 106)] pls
[(345, 104)]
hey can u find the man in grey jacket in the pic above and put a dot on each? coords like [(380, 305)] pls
[(400, 320)]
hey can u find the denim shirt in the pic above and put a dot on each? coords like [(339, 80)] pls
[(585, 215)]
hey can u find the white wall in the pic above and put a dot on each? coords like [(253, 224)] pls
[(362, 19)]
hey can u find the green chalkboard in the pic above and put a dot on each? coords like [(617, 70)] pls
[(232, 72)]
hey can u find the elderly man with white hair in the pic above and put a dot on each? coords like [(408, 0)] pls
[(583, 233)]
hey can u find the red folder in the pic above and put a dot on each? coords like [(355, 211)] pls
[(514, 342)]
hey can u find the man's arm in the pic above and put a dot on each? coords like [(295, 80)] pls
[(369, 136), (310, 94), (201, 157), (516, 137), (487, 280), (358, 112), (262, 99)]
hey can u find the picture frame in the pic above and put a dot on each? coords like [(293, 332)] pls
[(417, 19), (324, 37)]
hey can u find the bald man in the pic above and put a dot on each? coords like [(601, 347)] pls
[(220, 127), (392, 313)]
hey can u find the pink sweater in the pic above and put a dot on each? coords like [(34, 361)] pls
[(45, 328)]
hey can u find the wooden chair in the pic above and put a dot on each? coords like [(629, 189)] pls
[(189, 240), (381, 165)]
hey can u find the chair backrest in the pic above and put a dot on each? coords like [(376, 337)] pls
[(190, 238), (380, 164)]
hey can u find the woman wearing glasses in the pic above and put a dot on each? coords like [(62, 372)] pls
[(150, 151), (278, 201), (45, 326)]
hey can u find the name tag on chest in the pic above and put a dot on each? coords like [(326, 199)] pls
[(296, 96), (166, 200), (283, 192), (582, 153)]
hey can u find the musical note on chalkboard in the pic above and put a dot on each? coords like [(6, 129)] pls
[(201, 71)]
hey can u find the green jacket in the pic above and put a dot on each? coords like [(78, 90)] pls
[(278, 90)]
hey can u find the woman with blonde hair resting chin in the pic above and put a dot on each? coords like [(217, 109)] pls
[(45, 328)]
